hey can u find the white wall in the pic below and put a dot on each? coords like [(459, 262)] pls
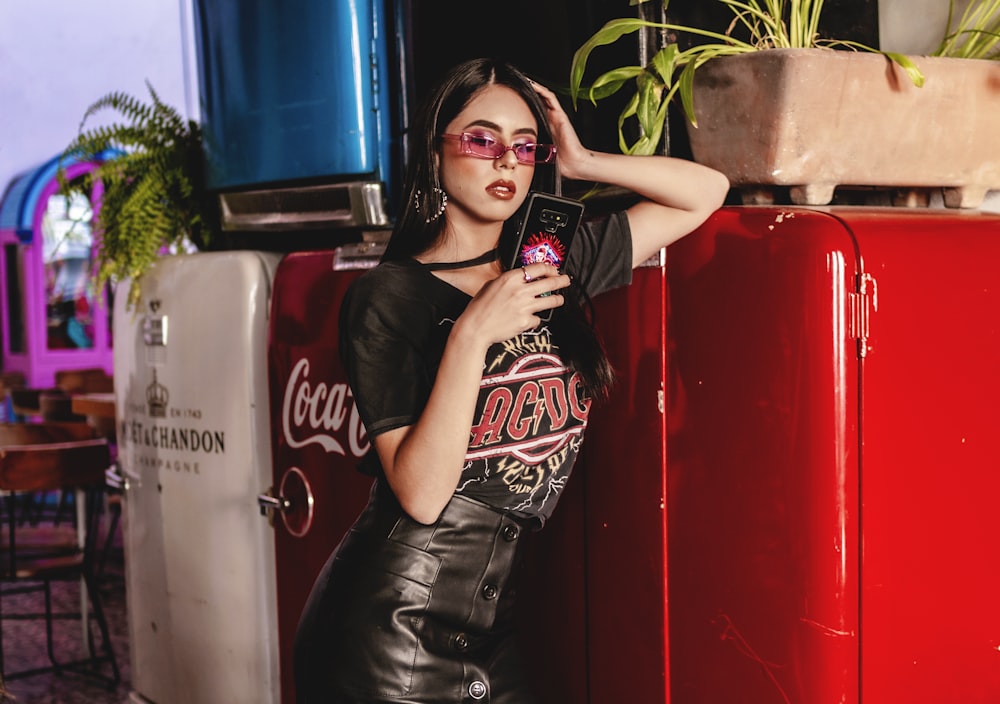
[(913, 26), (59, 56)]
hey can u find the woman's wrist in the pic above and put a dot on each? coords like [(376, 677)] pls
[(582, 165), (466, 341)]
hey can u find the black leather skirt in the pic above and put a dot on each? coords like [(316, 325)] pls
[(415, 614)]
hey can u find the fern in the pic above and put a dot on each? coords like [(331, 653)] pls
[(154, 195)]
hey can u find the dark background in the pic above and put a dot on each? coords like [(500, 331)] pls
[(540, 37)]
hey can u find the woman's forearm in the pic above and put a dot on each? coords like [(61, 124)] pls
[(423, 462)]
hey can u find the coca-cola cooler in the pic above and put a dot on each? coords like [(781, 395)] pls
[(194, 451), (792, 495), (316, 435)]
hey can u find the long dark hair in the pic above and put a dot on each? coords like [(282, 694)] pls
[(578, 342)]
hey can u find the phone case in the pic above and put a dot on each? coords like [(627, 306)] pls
[(547, 230)]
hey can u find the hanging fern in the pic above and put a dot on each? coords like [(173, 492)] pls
[(154, 195)]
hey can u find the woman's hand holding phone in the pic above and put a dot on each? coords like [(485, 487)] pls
[(513, 303)]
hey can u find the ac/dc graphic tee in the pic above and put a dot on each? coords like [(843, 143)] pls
[(531, 412)]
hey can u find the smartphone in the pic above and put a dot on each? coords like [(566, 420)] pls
[(546, 231)]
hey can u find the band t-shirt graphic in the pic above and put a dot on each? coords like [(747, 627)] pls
[(528, 426), (531, 411)]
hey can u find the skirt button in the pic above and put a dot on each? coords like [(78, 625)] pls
[(477, 690)]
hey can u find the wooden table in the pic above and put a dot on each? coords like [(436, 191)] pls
[(95, 405)]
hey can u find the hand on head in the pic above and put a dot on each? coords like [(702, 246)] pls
[(569, 148)]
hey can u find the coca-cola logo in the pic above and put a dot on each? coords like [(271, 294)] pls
[(321, 414)]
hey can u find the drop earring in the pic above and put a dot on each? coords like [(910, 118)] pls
[(442, 202)]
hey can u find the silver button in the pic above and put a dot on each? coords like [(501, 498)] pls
[(477, 690)]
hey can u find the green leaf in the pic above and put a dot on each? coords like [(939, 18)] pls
[(609, 83), (649, 92), (608, 34), (665, 63), (904, 62)]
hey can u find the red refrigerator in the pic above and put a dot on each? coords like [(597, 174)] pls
[(316, 435), (792, 496), (789, 496)]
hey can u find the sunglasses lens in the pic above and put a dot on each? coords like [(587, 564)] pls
[(526, 153), (535, 153), (480, 145)]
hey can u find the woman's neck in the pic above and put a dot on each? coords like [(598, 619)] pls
[(462, 244)]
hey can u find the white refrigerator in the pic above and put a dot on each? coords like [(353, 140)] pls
[(194, 452)]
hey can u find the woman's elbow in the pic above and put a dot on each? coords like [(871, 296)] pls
[(422, 510), (716, 190)]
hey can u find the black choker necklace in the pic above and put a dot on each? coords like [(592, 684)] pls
[(485, 258)]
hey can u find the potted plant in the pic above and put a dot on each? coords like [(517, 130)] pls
[(782, 108), (153, 200), (976, 34)]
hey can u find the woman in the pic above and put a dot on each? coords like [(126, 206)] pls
[(474, 407)]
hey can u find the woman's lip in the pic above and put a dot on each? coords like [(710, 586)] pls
[(504, 190)]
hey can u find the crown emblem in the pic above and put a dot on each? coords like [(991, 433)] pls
[(157, 397)]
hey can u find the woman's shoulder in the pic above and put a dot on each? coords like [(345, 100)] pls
[(390, 290), (390, 278)]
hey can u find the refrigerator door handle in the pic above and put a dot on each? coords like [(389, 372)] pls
[(294, 502), (269, 503)]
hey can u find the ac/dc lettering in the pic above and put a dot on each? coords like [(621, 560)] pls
[(530, 411), (528, 426)]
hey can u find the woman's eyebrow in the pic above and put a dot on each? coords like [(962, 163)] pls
[(496, 128)]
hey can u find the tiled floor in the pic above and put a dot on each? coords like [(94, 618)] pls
[(24, 645)]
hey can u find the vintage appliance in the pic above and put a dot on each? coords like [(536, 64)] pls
[(194, 446)]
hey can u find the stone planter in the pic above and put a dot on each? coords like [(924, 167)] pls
[(814, 119)]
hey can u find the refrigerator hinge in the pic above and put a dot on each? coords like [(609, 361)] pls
[(863, 302)]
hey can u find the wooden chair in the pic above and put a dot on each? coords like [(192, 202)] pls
[(25, 402), (74, 465), (33, 506), (58, 407), (85, 381)]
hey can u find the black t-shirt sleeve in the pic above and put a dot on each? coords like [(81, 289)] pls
[(600, 257), (383, 351)]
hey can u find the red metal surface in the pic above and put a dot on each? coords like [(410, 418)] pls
[(552, 615), (930, 616), (313, 428), (623, 479), (816, 525), (831, 510), (763, 461)]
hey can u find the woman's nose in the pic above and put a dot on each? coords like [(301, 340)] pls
[(507, 159)]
